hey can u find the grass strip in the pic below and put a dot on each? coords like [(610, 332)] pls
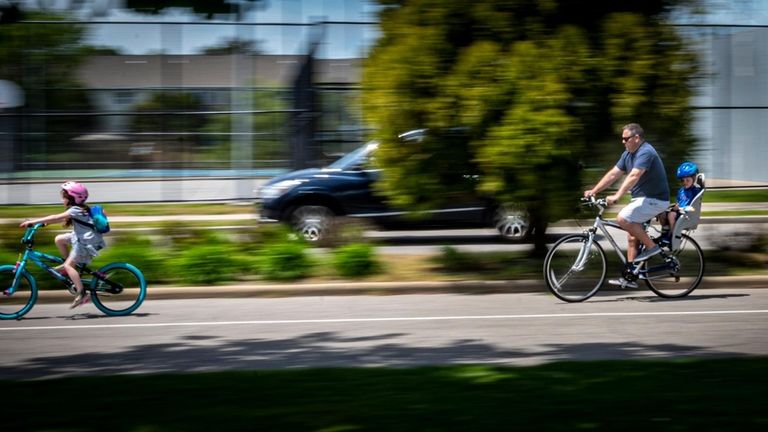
[(696, 395), (139, 209)]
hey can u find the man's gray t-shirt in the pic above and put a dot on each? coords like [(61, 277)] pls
[(653, 182)]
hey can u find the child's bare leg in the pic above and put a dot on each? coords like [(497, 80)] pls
[(81, 297), (671, 218), (69, 266), (62, 244)]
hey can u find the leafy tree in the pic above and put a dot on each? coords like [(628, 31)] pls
[(234, 46), (542, 85), (209, 8)]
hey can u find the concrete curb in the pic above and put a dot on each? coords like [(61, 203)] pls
[(385, 288)]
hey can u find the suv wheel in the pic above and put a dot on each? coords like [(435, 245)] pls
[(512, 222), (312, 222)]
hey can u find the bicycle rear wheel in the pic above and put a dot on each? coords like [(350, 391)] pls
[(679, 278), (118, 289), (575, 268), (14, 305)]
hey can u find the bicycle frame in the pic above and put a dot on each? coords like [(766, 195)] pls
[(116, 289), (602, 225), (575, 266), (41, 259)]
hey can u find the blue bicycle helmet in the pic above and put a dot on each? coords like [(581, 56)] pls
[(687, 169)]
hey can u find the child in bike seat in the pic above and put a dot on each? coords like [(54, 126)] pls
[(686, 173), (85, 241)]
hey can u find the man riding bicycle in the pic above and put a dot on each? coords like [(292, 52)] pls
[(647, 181)]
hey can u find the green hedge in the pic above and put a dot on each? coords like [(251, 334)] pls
[(176, 253), (355, 260)]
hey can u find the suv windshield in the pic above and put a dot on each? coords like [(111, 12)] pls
[(356, 158)]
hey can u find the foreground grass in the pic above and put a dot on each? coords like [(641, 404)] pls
[(699, 395)]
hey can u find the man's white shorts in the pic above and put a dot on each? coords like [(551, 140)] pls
[(642, 209)]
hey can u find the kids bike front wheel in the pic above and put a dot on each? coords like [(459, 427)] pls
[(575, 268), (118, 289), (16, 301)]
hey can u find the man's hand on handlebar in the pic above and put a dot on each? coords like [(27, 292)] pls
[(612, 199)]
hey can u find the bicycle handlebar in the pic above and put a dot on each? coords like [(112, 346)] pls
[(592, 201), (30, 232)]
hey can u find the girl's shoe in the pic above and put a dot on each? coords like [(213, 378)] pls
[(81, 299)]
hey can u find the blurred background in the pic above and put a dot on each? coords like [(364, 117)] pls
[(203, 100)]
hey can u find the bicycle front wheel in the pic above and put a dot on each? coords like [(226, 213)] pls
[(16, 301), (679, 277), (118, 289), (575, 268)]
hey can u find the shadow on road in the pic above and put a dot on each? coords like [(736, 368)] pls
[(199, 353), (654, 298)]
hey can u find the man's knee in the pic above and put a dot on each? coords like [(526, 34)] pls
[(624, 222)]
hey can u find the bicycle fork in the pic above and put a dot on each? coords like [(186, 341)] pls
[(18, 270), (581, 259), (580, 262)]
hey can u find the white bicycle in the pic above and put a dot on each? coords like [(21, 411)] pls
[(575, 266)]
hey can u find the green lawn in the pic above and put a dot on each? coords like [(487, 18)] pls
[(692, 395)]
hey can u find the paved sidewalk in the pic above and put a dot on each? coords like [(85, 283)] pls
[(708, 208)]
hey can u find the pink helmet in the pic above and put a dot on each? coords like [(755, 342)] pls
[(76, 190)]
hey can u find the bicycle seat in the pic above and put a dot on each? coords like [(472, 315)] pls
[(689, 218)]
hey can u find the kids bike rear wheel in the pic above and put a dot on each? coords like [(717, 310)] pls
[(575, 268), (16, 301), (118, 289), (682, 276)]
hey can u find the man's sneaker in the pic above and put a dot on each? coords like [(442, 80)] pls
[(648, 253), (623, 283)]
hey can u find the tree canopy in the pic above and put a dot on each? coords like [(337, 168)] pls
[(542, 86)]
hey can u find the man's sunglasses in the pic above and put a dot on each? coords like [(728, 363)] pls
[(625, 139)]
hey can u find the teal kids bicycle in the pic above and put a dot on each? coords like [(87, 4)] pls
[(116, 289)]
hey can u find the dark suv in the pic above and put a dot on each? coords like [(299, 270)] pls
[(310, 198)]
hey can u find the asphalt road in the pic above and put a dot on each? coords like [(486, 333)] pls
[(405, 330)]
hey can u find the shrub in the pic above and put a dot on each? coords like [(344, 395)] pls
[(355, 260), (451, 259), (141, 252), (286, 260), (210, 264)]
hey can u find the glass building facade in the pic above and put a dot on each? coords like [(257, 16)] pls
[(116, 88), (214, 88)]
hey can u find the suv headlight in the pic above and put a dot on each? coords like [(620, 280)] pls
[(279, 188)]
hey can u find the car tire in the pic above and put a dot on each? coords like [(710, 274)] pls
[(312, 222), (512, 222)]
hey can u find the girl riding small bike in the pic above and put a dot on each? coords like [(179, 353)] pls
[(84, 240)]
